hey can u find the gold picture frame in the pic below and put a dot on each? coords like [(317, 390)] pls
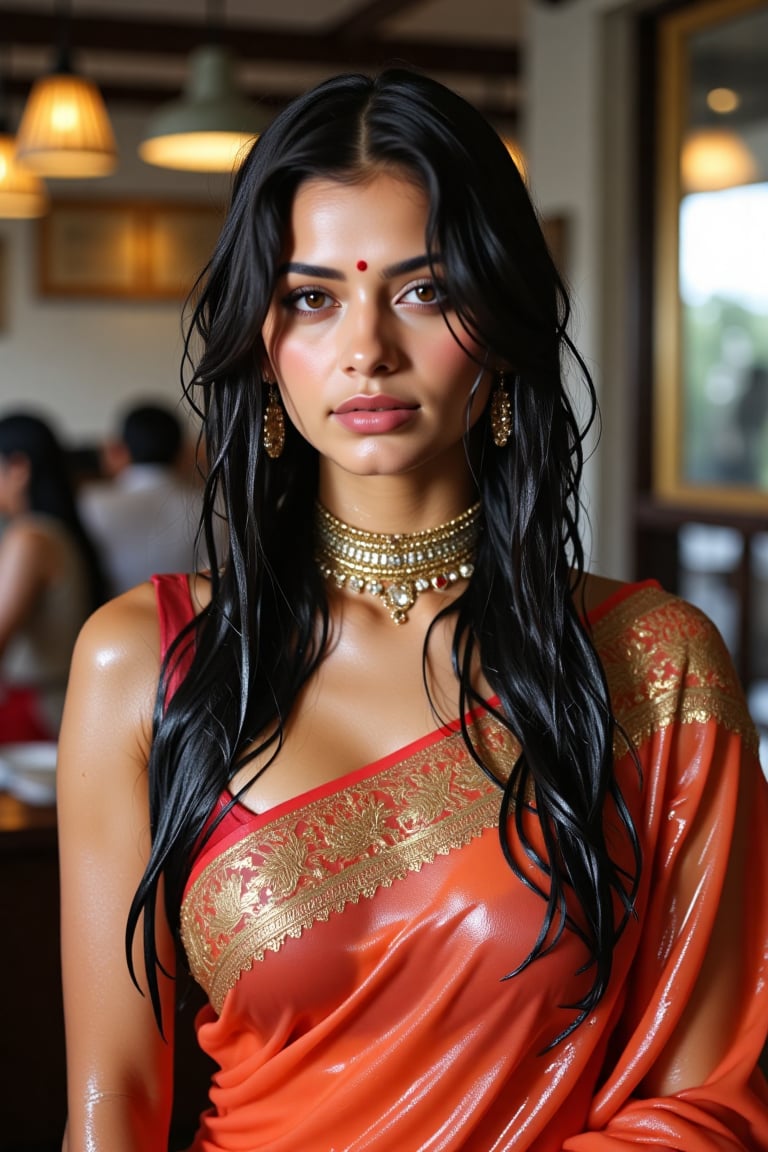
[(125, 249), (672, 483)]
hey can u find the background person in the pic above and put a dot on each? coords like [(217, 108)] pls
[(50, 580), (143, 519), (467, 848)]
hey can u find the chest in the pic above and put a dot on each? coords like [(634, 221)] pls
[(364, 702)]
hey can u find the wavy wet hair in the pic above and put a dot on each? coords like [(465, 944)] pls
[(267, 627)]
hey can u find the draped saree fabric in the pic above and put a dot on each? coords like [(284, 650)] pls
[(354, 942)]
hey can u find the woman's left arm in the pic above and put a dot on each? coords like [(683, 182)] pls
[(682, 1075)]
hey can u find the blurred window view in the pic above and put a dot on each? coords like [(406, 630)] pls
[(723, 256)]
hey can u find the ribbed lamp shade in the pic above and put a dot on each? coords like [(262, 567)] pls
[(211, 127), (22, 194), (65, 130)]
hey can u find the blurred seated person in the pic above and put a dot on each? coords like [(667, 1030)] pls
[(143, 519), (50, 579)]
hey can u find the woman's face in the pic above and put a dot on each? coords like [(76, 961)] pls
[(368, 369)]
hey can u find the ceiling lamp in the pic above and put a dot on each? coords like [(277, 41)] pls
[(64, 129), (210, 127), (715, 158), (22, 194)]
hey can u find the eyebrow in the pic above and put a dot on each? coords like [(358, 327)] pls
[(322, 272)]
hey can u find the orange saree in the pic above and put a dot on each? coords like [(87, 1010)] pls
[(353, 942)]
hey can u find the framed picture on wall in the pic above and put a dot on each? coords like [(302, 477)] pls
[(137, 250)]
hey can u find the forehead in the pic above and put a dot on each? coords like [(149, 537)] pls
[(382, 211)]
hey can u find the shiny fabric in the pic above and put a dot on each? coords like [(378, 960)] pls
[(353, 942)]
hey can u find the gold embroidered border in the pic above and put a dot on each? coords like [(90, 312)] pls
[(296, 870), (665, 661)]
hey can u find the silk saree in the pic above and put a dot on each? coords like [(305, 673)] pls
[(355, 943)]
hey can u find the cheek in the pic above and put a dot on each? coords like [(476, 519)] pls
[(449, 362), (296, 357)]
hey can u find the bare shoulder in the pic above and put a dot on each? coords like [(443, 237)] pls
[(114, 674), (29, 538), (123, 632)]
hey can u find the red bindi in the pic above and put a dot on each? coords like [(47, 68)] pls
[(361, 265)]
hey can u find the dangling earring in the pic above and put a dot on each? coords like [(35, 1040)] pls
[(274, 423), (501, 413)]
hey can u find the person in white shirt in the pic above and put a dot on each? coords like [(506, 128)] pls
[(143, 520)]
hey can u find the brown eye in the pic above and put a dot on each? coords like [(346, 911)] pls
[(312, 301), (426, 294)]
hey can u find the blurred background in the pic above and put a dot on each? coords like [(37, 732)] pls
[(641, 127)]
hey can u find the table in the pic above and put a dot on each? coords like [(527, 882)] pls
[(32, 1054)]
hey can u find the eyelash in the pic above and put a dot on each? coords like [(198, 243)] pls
[(294, 298)]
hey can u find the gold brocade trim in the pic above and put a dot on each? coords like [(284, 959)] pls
[(297, 869), (665, 661)]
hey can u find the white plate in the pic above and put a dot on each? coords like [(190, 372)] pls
[(28, 771)]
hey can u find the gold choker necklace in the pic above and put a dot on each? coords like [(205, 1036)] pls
[(396, 568)]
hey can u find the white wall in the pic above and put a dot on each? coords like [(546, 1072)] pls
[(579, 138), (79, 361)]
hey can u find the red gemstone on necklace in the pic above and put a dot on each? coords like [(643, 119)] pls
[(440, 582)]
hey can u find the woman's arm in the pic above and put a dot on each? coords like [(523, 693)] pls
[(27, 564), (681, 1072), (119, 1068)]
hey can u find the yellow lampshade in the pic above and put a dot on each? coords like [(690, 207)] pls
[(197, 151), (22, 194), (715, 158), (65, 130)]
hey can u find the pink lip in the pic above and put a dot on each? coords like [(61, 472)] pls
[(374, 415), (376, 421), (372, 404)]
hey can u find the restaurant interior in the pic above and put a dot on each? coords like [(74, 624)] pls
[(641, 127)]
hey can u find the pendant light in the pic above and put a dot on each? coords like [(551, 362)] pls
[(211, 126), (22, 194), (65, 130)]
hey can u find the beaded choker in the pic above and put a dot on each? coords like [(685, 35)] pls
[(396, 568)]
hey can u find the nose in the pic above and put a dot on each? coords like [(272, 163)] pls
[(369, 347)]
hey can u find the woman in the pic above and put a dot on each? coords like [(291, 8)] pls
[(49, 579), (453, 836)]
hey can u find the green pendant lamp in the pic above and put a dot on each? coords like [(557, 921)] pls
[(211, 127)]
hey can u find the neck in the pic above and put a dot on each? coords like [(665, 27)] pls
[(397, 567), (390, 504)]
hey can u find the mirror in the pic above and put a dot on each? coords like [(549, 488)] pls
[(711, 322)]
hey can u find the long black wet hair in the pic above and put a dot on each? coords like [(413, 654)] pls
[(267, 627), (51, 491)]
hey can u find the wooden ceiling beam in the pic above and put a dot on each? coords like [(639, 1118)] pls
[(366, 19), (150, 94), (247, 42)]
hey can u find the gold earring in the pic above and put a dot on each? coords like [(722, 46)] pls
[(274, 423), (501, 413)]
